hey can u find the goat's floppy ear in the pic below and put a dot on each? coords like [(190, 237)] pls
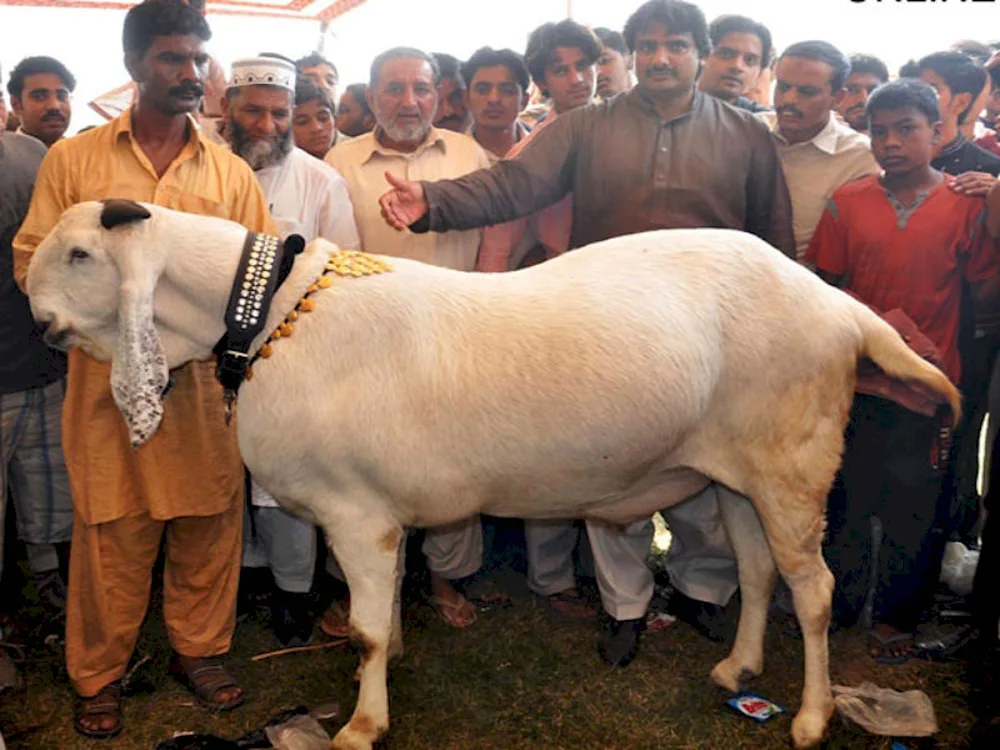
[(118, 211), (139, 366)]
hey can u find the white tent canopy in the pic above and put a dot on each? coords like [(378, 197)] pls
[(88, 39)]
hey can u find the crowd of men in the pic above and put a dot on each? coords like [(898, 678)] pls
[(886, 188)]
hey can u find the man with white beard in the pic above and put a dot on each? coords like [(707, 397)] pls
[(309, 198), (403, 94)]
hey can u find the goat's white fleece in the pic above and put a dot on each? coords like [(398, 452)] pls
[(608, 383)]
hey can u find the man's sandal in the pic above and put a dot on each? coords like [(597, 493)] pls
[(891, 649), (106, 704), (569, 606), (206, 678), (457, 614)]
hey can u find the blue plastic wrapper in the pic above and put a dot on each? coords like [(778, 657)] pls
[(757, 708)]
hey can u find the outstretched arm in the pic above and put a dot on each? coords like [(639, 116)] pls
[(537, 177)]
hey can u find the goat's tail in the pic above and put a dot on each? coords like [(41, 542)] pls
[(886, 348)]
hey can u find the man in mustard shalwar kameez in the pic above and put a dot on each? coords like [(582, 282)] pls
[(187, 481)]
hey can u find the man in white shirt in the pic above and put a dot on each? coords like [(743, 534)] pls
[(403, 95), (309, 198), (818, 152)]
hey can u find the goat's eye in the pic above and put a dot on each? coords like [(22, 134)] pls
[(76, 255)]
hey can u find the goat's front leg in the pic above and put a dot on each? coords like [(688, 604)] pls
[(368, 551)]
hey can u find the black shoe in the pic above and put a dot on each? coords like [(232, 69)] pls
[(290, 618), (621, 641), (708, 619)]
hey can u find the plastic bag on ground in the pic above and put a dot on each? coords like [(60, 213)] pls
[(299, 733), (958, 567), (886, 712)]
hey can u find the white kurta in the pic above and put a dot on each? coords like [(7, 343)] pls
[(307, 197)]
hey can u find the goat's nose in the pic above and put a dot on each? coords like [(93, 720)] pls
[(43, 324)]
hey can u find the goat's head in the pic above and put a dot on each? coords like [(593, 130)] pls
[(91, 284)]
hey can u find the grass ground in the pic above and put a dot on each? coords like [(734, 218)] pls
[(517, 679)]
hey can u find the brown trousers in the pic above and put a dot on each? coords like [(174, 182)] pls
[(111, 567)]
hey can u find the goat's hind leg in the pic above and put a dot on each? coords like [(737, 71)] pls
[(794, 527), (757, 576), (368, 548)]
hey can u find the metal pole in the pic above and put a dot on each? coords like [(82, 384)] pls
[(569, 8), (324, 28)]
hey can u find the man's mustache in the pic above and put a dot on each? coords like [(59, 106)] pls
[(184, 89), (658, 69), (53, 114), (790, 111)]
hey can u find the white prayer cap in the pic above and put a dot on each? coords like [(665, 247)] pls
[(263, 71)]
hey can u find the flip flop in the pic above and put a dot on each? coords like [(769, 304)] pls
[(884, 645), (451, 612)]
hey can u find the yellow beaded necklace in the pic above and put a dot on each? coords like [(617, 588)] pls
[(342, 263)]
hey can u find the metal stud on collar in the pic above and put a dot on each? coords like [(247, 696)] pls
[(258, 272)]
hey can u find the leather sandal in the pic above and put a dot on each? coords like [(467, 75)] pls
[(206, 680), (107, 702), (569, 606)]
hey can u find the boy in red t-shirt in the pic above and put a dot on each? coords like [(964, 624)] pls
[(901, 240)]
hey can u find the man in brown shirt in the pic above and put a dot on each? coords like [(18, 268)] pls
[(663, 155)]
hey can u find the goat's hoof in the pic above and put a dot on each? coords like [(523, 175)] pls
[(358, 734), (808, 727), (732, 676)]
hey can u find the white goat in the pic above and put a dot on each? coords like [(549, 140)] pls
[(606, 384)]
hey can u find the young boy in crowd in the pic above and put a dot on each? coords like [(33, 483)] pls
[(903, 243)]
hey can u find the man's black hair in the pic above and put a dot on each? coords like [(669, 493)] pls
[(487, 57), (612, 39), (677, 16), (824, 52), (360, 93), (960, 74), (449, 66), (307, 90), (312, 60), (732, 24), (152, 18), (902, 94), (543, 41), (870, 65), (31, 66), (978, 52)]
